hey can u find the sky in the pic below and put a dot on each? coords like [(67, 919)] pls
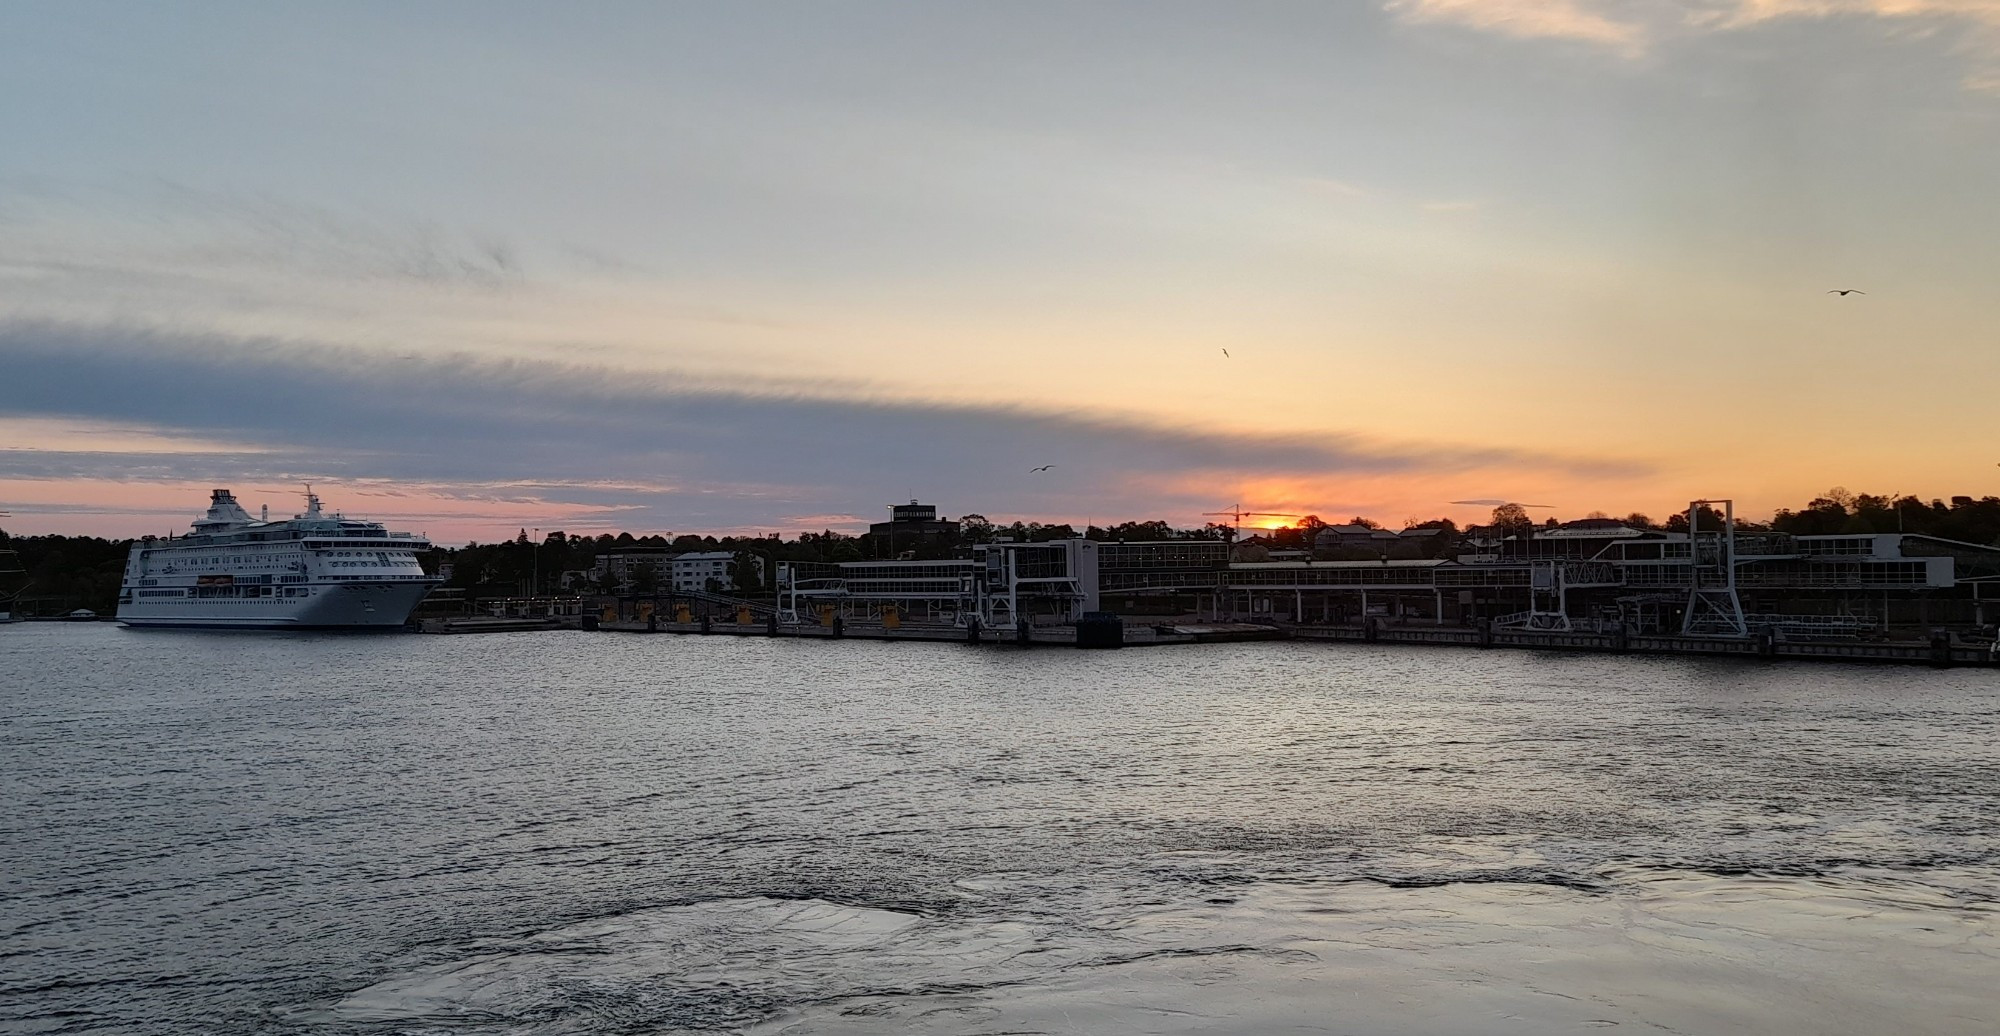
[(771, 267)]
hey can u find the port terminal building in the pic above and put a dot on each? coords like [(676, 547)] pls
[(1000, 585), (1591, 575)]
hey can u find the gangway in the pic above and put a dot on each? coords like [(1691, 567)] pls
[(735, 603), (1813, 627), (1549, 584)]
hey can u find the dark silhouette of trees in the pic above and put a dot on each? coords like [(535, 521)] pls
[(64, 573), (1965, 519), (1511, 520), (974, 528)]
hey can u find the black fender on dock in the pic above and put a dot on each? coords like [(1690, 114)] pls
[(1100, 630)]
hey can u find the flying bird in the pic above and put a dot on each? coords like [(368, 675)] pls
[(1846, 291), (1225, 352), (1044, 467)]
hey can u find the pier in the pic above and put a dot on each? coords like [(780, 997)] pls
[(1940, 652)]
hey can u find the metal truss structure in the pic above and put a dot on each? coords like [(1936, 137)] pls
[(1713, 608)]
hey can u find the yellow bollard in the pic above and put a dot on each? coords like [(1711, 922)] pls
[(610, 613), (742, 616), (643, 611), (681, 613), (826, 615), (890, 620)]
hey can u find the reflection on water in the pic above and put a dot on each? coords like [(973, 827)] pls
[(573, 833)]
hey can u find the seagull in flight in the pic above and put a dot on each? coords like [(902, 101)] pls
[(1044, 467), (1225, 352), (1846, 291)]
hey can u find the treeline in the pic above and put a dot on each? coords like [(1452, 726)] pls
[(523, 563), (1962, 518), (63, 573), (1838, 511)]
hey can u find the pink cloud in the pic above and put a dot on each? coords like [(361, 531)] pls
[(1579, 20)]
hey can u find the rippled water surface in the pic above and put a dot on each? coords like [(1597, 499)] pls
[(590, 833)]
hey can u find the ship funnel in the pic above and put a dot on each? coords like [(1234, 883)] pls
[(223, 510)]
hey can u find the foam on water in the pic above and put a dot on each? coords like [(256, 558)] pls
[(1658, 950)]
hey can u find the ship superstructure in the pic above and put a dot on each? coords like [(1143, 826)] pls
[(312, 571)]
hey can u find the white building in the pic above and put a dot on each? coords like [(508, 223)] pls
[(620, 566), (693, 571)]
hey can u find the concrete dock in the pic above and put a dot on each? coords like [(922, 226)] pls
[(1943, 653)]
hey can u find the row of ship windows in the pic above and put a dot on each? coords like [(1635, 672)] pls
[(231, 591), (238, 559)]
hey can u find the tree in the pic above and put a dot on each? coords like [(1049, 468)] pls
[(1512, 520), (1709, 517), (1138, 531), (974, 528), (745, 572)]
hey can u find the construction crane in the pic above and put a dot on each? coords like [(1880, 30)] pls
[(1237, 514)]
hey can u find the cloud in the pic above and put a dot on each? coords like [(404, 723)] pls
[(1978, 22), (1336, 188), (1632, 27), (1747, 12), (643, 451), (1582, 20), (160, 229)]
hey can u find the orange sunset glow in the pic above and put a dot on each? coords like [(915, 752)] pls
[(1355, 260)]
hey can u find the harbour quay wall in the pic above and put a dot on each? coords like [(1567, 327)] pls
[(1135, 635), (1911, 653)]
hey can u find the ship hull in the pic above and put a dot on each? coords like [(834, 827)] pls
[(355, 606)]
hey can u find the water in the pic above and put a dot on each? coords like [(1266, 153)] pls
[(585, 833)]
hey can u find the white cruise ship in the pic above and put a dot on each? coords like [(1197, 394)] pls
[(314, 571)]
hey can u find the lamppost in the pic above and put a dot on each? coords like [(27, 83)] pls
[(535, 581)]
